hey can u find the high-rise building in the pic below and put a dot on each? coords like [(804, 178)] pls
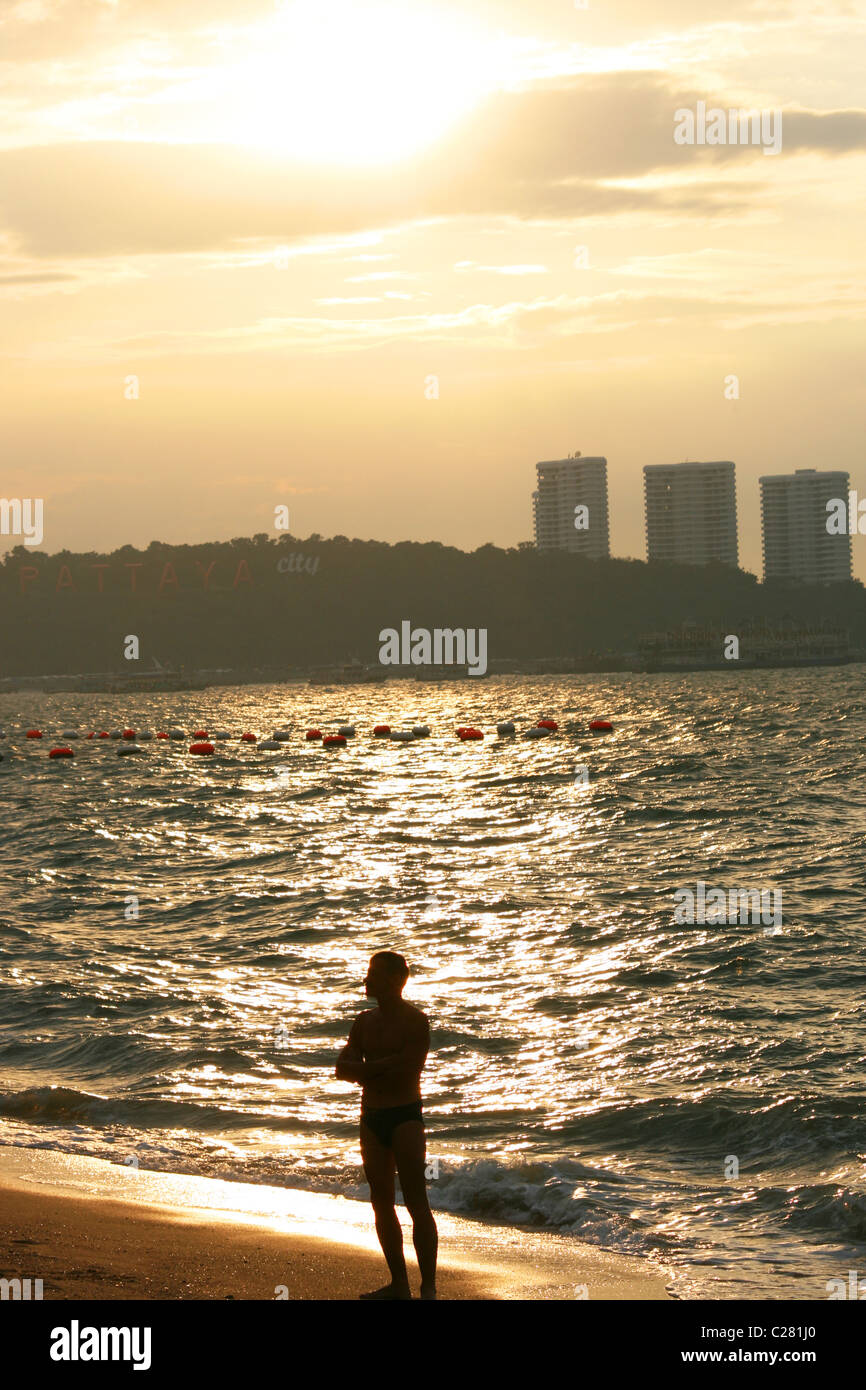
[(794, 515), (570, 506), (691, 512)]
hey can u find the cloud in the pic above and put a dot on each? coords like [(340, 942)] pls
[(44, 278), (463, 266), (549, 151)]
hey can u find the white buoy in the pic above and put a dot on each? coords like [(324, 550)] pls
[(537, 733), (270, 743), (402, 735), (506, 727), (282, 735), (69, 733), (146, 734), (127, 748), (117, 733), (421, 730), (347, 730), (221, 733), (172, 733)]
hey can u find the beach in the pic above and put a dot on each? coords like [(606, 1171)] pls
[(94, 1230)]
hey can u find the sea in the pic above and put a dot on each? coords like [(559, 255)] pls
[(183, 942)]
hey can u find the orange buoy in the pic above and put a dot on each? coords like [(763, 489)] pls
[(470, 733), (200, 733), (333, 741), (313, 733), (162, 735), (550, 724), (33, 733), (382, 731), (248, 738), (600, 726), (203, 748), (103, 734), (61, 753), (129, 733)]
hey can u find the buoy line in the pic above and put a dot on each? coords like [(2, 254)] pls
[(204, 744)]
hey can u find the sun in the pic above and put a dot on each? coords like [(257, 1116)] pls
[(338, 81)]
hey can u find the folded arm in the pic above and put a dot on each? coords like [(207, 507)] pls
[(410, 1058), (352, 1067)]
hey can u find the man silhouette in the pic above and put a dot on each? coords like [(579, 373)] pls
[(385, 1054)]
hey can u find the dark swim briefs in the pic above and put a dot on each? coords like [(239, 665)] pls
[(384, 1122)]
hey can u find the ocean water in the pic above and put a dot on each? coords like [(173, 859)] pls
[(183, 940)]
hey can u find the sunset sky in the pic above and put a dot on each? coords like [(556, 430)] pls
[(284, 219)]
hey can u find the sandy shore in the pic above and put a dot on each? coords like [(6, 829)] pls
[(95, 1230)]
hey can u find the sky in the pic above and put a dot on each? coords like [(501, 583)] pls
[(373, 262)]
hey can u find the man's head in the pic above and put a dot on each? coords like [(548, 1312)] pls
[(387, 973)]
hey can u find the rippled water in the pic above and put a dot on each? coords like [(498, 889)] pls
[(596, 1066)]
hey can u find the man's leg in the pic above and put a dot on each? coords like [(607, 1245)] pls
[(379, 1171), (410, 1154)]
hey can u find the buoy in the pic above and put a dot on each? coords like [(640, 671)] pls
[(221, 734), (506, 727), (248, 738), (176, 733), (470, 733), (69, 733), (200, 733), (421, 730), (270, 743), (146, 734), (162, 734), (33, 733), (129, 733), (462, 730), (537, 732), (347, 730), (116, 733), (103, 734), (600, 726), (402, 735), (549, 724), (203, 748), (333, 741), (382, 731), (313, 733), (126, 748), (281, 735), (61, 753)]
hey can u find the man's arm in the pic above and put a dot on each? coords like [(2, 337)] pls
[(350, 1063), (413, 1054), (410, 1058)]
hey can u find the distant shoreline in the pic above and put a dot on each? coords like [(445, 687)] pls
[(84, 684)]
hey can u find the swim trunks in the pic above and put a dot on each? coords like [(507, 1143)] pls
[(383, 1122)]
